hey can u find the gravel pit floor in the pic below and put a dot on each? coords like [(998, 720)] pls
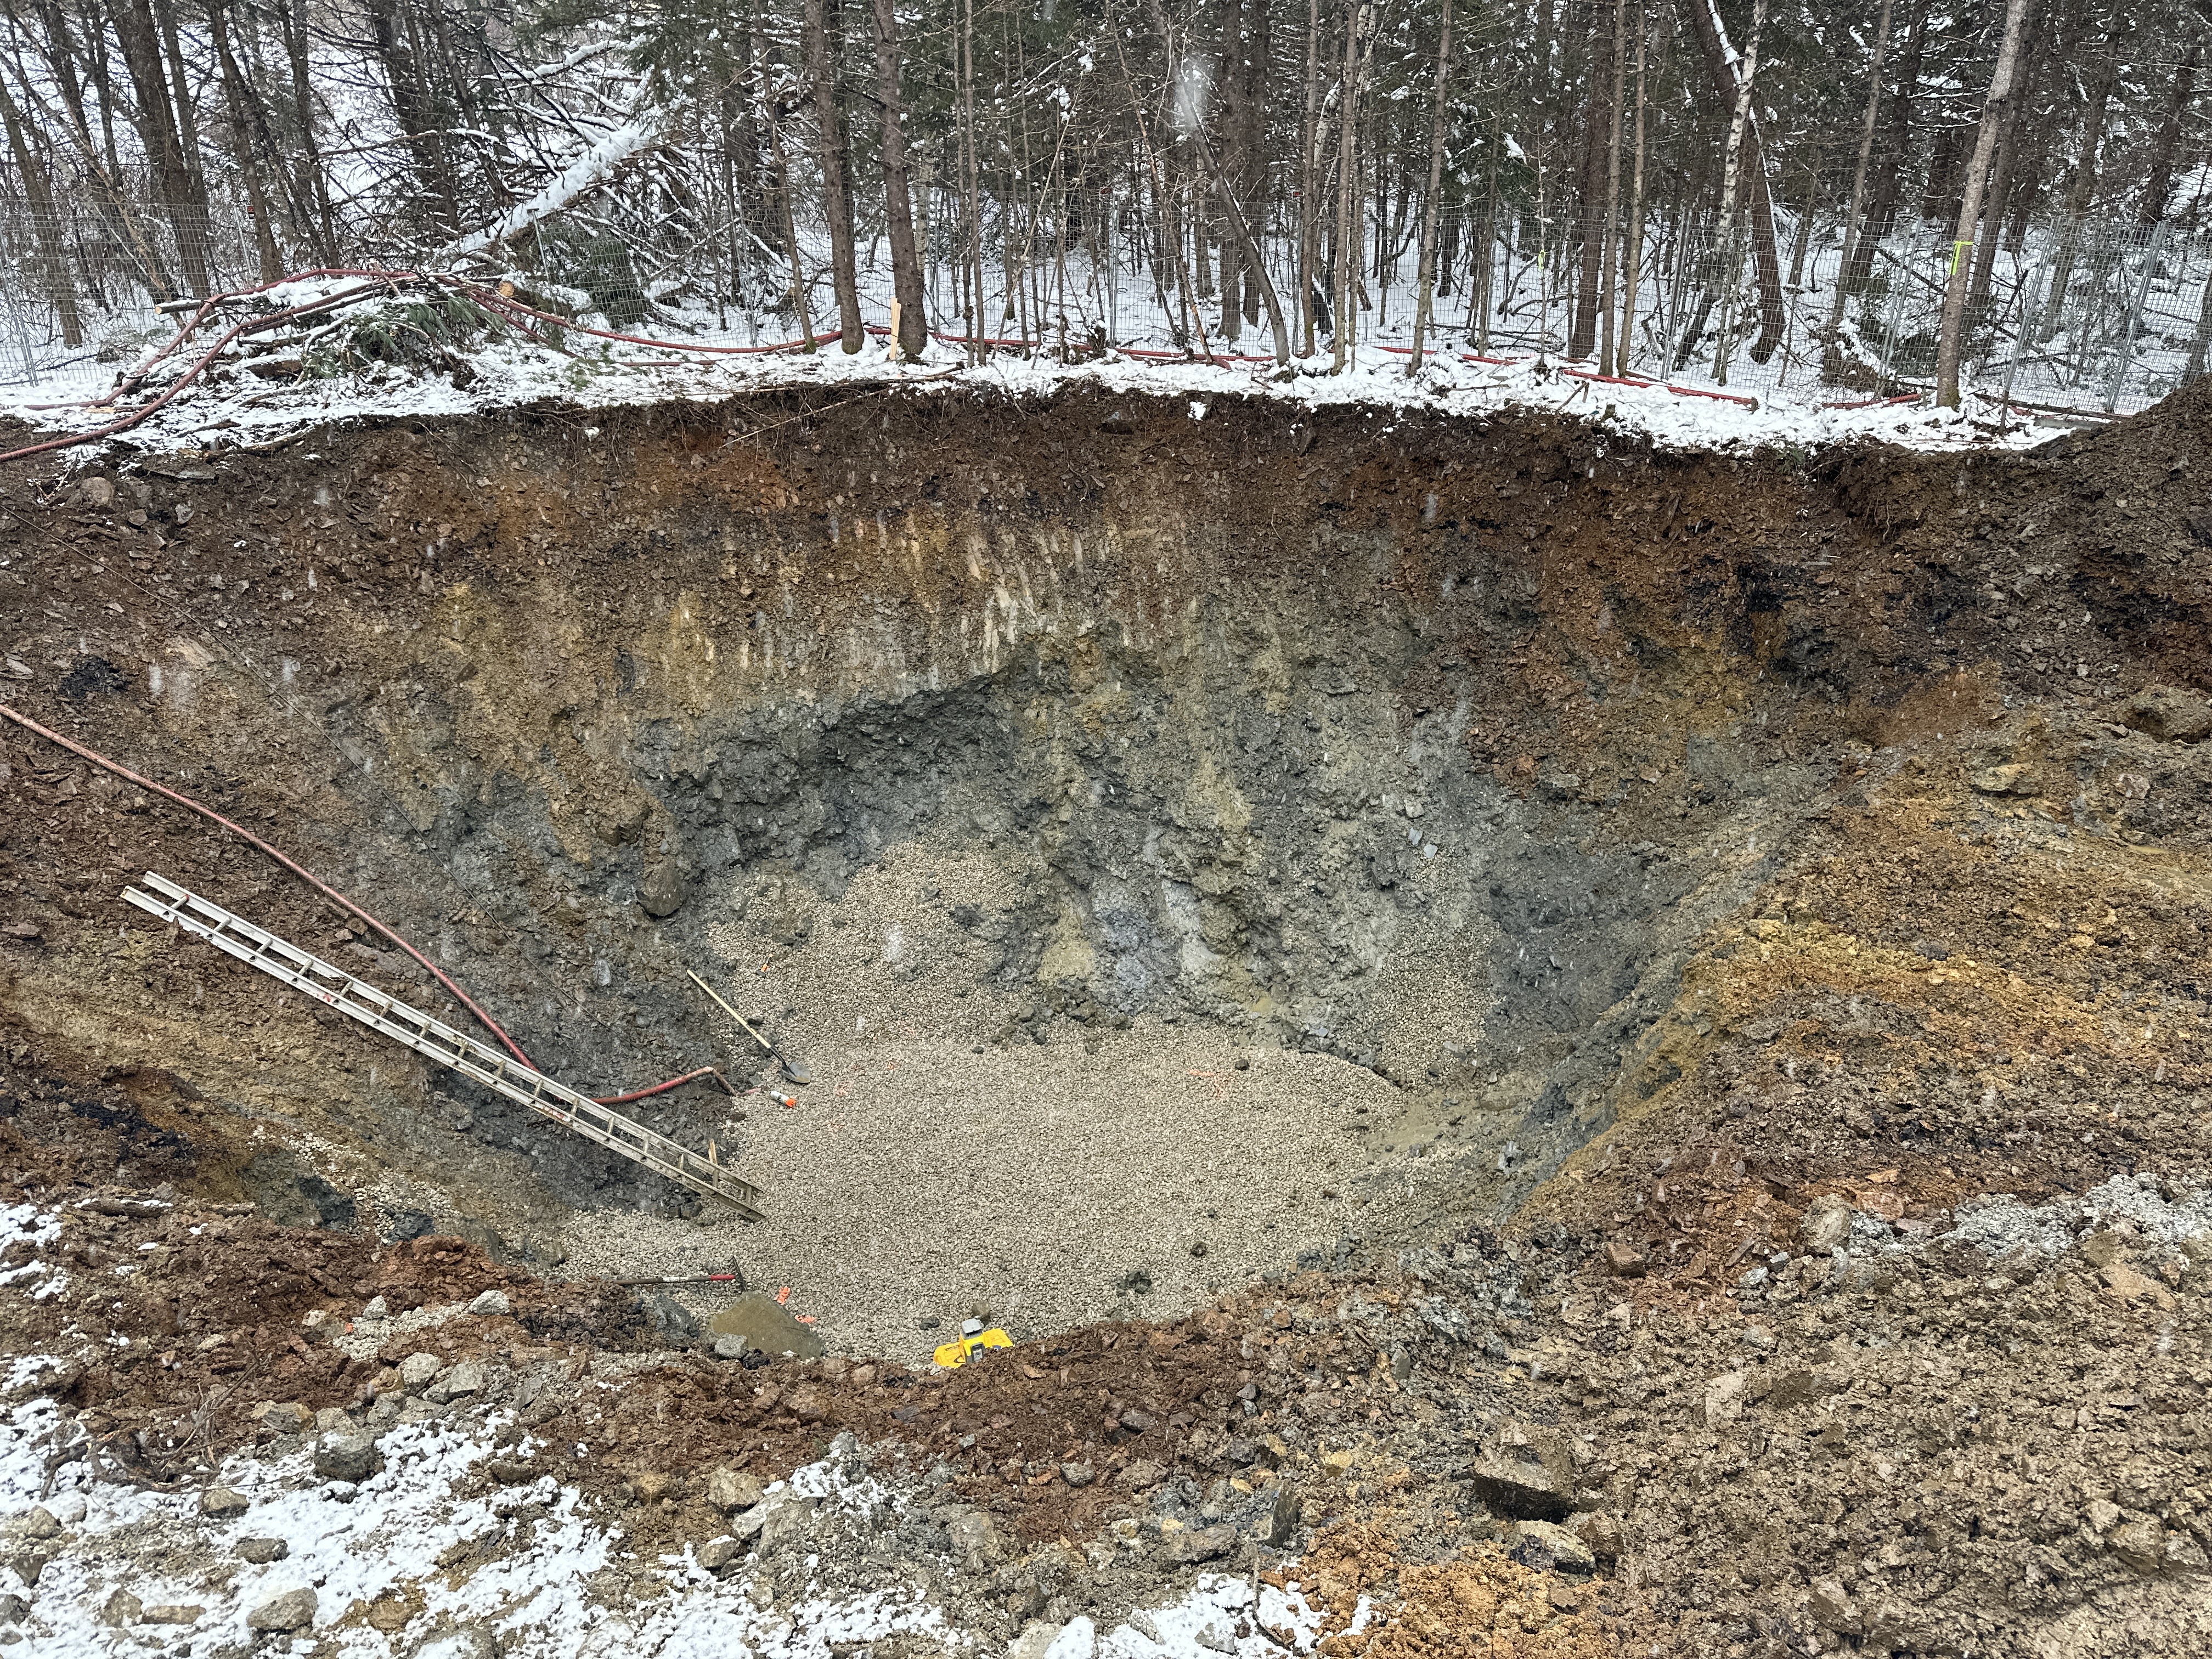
[(1044, 1184)]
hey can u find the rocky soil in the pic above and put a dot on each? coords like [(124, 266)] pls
[(1686, 975)]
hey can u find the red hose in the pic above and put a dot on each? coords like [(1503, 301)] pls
[(662, 1088), (334, 896), (487, 296)]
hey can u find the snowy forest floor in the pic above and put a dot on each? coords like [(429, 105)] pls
[(253, 404)]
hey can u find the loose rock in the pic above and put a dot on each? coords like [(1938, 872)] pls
[(293, 1610), (729, 1489), (347, 1457)]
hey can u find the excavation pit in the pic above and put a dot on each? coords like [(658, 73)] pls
[(1179, 850)]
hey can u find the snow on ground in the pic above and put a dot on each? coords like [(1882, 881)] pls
[(120, 1571), (511, 372)]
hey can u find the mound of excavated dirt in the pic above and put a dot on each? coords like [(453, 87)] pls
[(1671, 989)]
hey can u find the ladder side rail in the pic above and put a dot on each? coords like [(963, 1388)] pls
[(453, 1050), (304, 959)]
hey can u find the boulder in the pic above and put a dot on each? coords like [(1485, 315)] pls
[(1543, 1548), (784, 1518), (465, 1378), (729, 1489), (1601, 1532), (294, 1609), (1196, 1544), (319, 1325), (347, 1457), (284, 1416), (666, 884), (1723, 1403), (1283, 1518), (417, 1370), (261, 1551), (2141, 1543), (717, 1553), (1623, 1260), (492, 1305), (221, 1503), (976, 1540), (2168, 712), (1525, 1472), (122, 1608), (1832, 1608), (2013, 778), (672, 1322), (1827, 1225)]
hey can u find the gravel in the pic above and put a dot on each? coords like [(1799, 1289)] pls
[(2137, 1205), (962, 1147), (1044, 1185)]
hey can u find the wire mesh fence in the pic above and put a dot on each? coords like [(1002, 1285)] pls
[(2088, 320)]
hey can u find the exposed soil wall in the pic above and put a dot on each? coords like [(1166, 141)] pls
[(581, 705), (1181, 849)]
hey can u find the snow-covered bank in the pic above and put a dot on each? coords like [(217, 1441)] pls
[(230, 409)]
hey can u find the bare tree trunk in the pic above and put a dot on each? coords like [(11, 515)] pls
[(1831, 351), (822, 36), (1586, 235), (1349, 236), (1256, 190), (1632, 274), (790, 230), (314, 190), (2003, 85), (1310, 182), (1240, 239), (1608, 281), (1230, 172), (973, 181), (1433, 207), (137, 33), (898, 204), (1887, 191), (2080, 196), (98, 155), (59, 281), (188, 131), (2000, 174), (1732, 79), (2158, 186), (242, 139), (1731, 177)]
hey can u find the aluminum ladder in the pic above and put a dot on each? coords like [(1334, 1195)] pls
[(442, 1044)]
